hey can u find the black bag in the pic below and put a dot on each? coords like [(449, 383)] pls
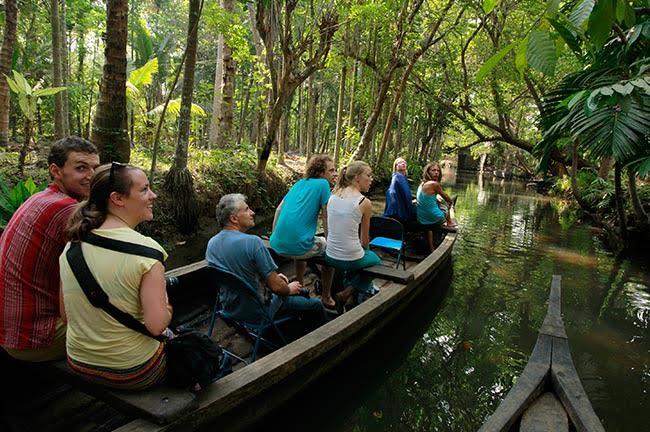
[(192, 356)]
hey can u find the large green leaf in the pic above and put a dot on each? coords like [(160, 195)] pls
[(614, 129), (520, 57), (174, 109), (552, 7), (581, 13), (143, 76), (22, 83), (601, 21), (48, 91), (13, 85), (568, 36), (620, 10), (541, 52), (644, 168), (493, 61)]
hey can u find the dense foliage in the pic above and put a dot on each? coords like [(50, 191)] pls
[(499, 81)]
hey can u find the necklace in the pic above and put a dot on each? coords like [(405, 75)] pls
[(117, 217)]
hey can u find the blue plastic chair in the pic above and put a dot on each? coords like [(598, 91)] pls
[(388, 233), (239, 305)]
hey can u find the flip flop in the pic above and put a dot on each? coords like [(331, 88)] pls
[(329, 307)]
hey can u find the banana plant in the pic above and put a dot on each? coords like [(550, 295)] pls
[(28, 100)]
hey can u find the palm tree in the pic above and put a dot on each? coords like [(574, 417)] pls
[(6, 55), (109, 131), (178, 180)]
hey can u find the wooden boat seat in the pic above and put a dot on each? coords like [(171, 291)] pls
[(161, 404), (378, 271)]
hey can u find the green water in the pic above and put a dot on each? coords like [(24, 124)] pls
[(511, 242)]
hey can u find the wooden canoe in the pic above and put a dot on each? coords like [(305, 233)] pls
[(249, 393), (548, 396), (254, 390)]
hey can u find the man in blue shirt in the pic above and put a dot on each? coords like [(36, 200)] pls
[(245, 255), (296, 217)]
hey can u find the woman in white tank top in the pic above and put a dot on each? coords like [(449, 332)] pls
[(347, 245)]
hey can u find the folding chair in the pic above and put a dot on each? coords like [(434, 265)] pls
[(239, 305), (388, 233)]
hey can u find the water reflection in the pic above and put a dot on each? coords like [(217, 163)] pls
[(510, 244)]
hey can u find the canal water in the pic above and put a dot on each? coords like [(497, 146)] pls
[(448, 363)]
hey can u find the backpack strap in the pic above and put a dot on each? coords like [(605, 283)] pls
[(124, 247), (362, 199), (97, 296)]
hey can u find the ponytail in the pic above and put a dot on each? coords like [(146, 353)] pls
[(348, 173), (85, 218)]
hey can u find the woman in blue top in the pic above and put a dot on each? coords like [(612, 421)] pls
[(428, 211), (399, 201)]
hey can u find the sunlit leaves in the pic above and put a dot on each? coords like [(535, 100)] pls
[(488, 6), (29, 96), (493, 61), (541, 52), (520, 59), (552, 7), (174, 109), (144, 76)]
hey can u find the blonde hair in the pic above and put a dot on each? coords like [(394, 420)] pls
[(348, 173), (396, 161)]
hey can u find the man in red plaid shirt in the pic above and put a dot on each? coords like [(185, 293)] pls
[(31, 327)]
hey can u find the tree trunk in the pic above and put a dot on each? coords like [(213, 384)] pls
[(6, 57), (350, 123), (65, 69), (285, 80), (24, 149), (642, 221), (258, 119), (339, 114), (620, 209), (311, 116), (217, 97), (81, 57), (243, 113), (605, 166), (109, 132), (178, 181), (369, 129), (300, 126), (57, 77), (226, 121)]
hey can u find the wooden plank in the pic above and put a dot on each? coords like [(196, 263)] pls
[(379, 271), (160, 404), (546, 414), (553, 324), (527, 388), (568, 387)]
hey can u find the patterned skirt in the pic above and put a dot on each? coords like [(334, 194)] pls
[(136, 378)]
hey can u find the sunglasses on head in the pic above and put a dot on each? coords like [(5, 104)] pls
[(111, 175)]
